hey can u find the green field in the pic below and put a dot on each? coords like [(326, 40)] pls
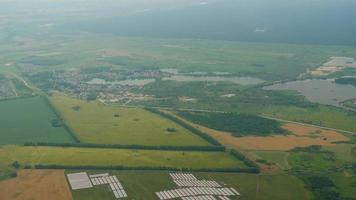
[(116, 157), (142, 185), (29, 120), (320, 115), (94, 122)]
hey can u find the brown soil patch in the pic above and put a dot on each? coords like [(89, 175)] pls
[(303, 136), (36, 185)]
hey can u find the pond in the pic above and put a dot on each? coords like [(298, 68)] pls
[(319, 90)]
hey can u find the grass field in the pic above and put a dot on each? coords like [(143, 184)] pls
[(29, 120), (142, 185), (116, 157), (94, 122)]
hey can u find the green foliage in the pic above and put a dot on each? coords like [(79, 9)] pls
[(56, 123), (318, 182), (76, 108), (238, 124), (172, 130), (323, 188), (16, 165)]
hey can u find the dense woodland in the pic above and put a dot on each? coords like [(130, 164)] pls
[(238, 124)]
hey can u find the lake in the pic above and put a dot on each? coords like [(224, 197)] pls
[(319, 91)]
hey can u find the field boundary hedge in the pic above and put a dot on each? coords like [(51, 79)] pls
[(194, 130), (59, 116), (142, 168), (249, 163), (129, 146)]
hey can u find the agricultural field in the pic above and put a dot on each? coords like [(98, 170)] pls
[(299, 136), (94, 122), (30, 120), (251, 186), (116, 157), (36, 184)]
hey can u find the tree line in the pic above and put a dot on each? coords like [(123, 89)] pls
[(59, 117), (249, 163), (130, 146)]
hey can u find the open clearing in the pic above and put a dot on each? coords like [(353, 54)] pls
[(97, 123), (303, 136), (36, 185), (116, 157), (29, 120), (142, 185)]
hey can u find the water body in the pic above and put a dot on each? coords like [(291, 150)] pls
[(129, 82), (319, 91), (237, 80)]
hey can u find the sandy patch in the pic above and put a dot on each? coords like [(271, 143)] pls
[(36, 185), (335, 64)]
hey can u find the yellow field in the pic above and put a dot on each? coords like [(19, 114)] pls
[(36, 185), (94, 122)]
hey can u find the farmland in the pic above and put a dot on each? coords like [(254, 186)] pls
[(252, 187), (36, 184), (29, 120), (94, 122), (300, 136), (89, 79), (116, 157)]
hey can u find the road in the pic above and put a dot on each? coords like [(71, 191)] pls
[(34, 89), (311, 125)]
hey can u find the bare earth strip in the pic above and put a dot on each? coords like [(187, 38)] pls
[(36, 185), (303, 136)]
